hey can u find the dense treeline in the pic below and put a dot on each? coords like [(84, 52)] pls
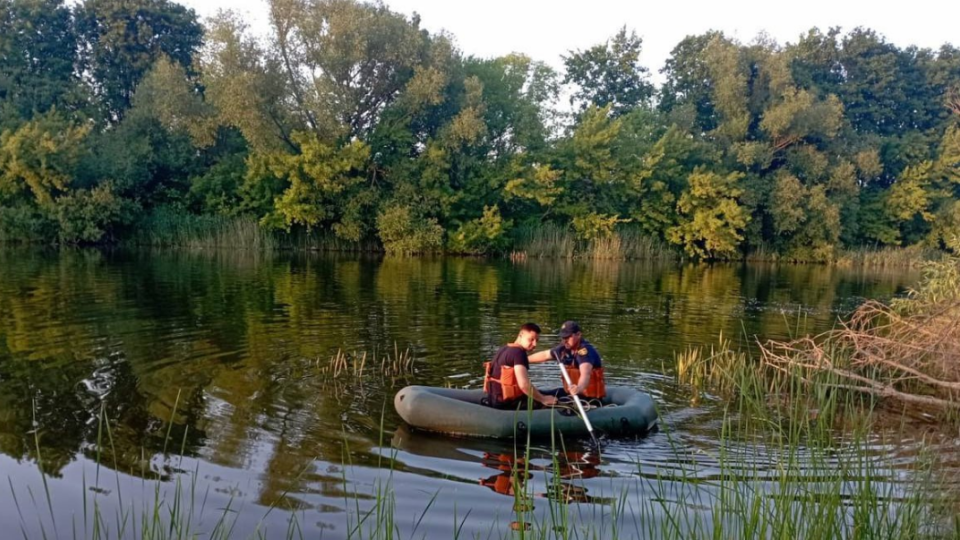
[(353, 120)]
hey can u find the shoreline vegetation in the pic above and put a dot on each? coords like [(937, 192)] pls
[(885, 365), (178, 231), (349, 126), (902, 353)]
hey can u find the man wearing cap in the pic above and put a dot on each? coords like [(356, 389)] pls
[(581, 361)]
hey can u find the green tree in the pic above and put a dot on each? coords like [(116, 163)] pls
[(403, 230), (663, 179), (38, 47), (121, 39), (885, 89), (711, 218), (487, 234), (168, 94), (595, 184), (687, 94), (610, 74), (923, 200), (318, 179), (244, 84), (345, 61), (39, 160)]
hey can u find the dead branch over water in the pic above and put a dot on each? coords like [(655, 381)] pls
[(908, 351)]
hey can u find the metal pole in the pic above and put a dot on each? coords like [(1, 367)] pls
[(576, 399)]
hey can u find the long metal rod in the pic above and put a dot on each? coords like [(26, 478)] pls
[(576, 399)]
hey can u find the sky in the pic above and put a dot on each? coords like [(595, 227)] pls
[(546, 30)]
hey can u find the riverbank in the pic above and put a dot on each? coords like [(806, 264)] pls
[(191, 231)]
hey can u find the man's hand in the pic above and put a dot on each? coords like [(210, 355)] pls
[(549, 401)]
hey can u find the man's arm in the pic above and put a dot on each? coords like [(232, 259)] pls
[(538, 357), (524, 381)]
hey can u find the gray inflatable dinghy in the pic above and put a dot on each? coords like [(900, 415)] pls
[(625, 411)]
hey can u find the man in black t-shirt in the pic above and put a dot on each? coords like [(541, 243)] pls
[(507, 379)]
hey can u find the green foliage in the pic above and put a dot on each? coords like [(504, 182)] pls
[(24, 222), (345, 60), (317, 179), (712, 220), (875, 222), (121, 40), (685, 94), (168, 95), (594, 226), (39, 159), (610, 75), (217, 190), (245, 86), (806, 220), (144, 161), (662, 180), (939, 286), (536, 183), (86, 215), (404, 232), (351, 122), (488, 234), (38, 47)]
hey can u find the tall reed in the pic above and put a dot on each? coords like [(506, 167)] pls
[(555, 242), (169, 228)]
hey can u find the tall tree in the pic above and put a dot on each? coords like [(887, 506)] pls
[(610, 74), (687, 90), (711, 217), (345, 61), (121, 39), (37, 55), (244, 83)]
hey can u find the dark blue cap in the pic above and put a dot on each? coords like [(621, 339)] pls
[(568, 329)]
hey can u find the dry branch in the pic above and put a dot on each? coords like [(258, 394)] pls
[(913, 358)]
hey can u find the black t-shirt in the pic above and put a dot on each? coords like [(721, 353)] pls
[(506, 356)]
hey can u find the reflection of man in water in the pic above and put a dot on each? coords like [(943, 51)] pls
[(578, 465), (514, 474)]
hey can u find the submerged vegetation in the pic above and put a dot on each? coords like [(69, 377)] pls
[(353, 128)]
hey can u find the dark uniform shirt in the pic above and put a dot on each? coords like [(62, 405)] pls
[(506, 356), (584, 353)]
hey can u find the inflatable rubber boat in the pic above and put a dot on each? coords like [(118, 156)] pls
[(625, 411)]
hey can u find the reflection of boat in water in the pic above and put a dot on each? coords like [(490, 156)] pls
[(625, 411), (515, 467)]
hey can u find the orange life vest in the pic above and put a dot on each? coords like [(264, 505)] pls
[(502, 483), (596, 389), (508, 381)]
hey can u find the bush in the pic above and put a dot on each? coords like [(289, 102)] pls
[(88, 215), (404, 232), (487, 234)]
